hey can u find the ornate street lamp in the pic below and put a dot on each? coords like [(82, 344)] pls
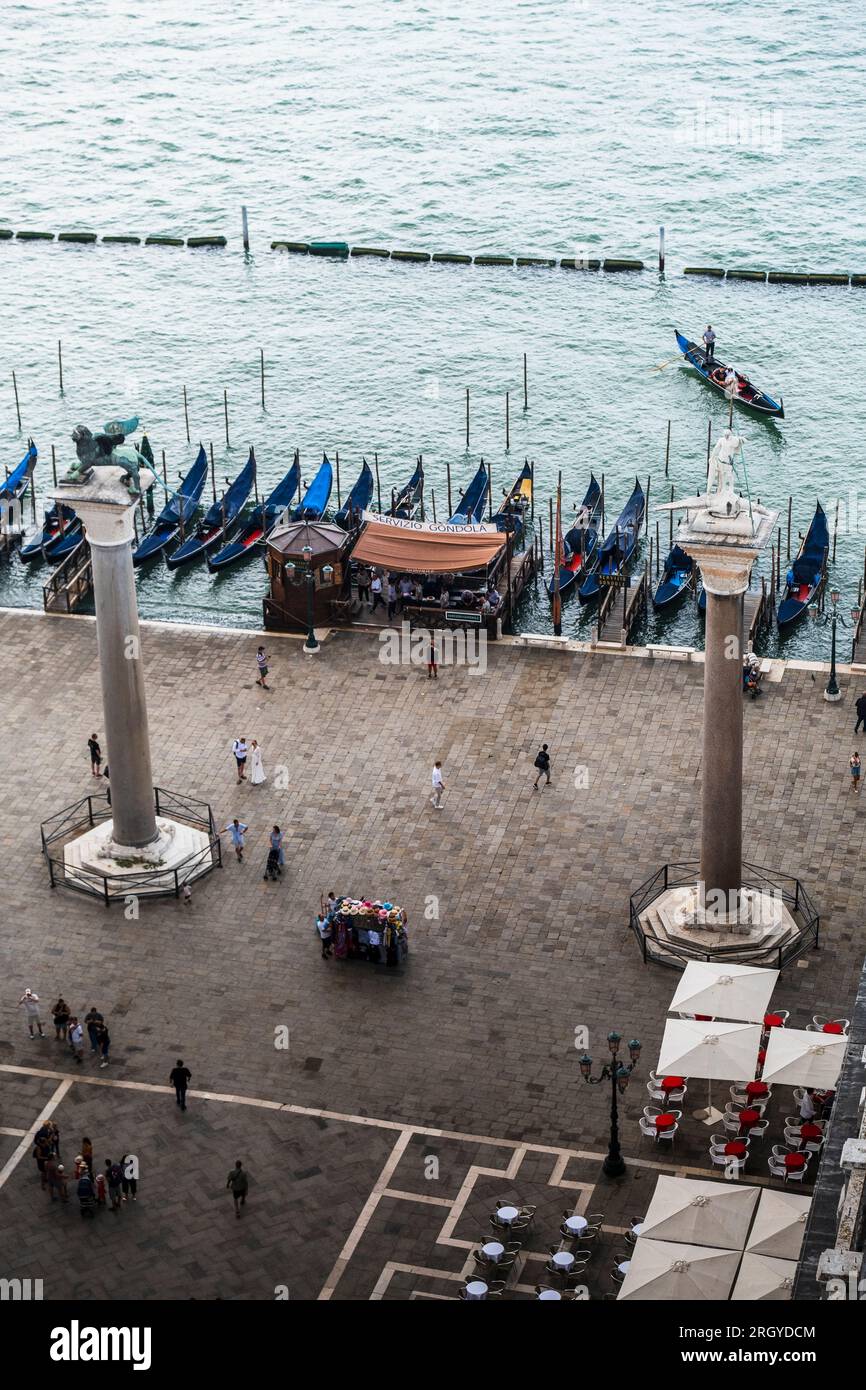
[(832, 691), (311, 646), (619, 1075)]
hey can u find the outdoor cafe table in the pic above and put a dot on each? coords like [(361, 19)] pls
[(736, 1148), (811, 1131), (832, 1028), (756, 1090), (748, 1117), (773, 1021), (563, 1260), (575, 1224), (493, 1251), (476, 1289), (507, 1214), (672, 1083), (664, 1121), (795, 1161), (549, 1296)]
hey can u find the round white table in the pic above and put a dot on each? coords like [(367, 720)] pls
[(576, 1224), (625, 1266), (549, 1295), (507, 1214), (563, 1259), (638, 1229), (493, 1251), (476, 1288)]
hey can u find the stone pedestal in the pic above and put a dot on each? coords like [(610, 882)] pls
[(106, 510)]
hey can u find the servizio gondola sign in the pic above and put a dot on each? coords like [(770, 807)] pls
[(430, 528)]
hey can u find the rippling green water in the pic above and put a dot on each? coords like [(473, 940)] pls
[(534, 128)]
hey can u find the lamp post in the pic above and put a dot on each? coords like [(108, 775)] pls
[(618, 1074), (832, 691), (311, 645)]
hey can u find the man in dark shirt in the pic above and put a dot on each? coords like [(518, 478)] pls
[(860, 707), (180, 1078), (92, 1020)]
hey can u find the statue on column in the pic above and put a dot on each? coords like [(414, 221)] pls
[(107, 450), (721, 475)]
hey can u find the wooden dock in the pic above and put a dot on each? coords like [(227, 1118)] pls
[(623, 604), (71, 583)]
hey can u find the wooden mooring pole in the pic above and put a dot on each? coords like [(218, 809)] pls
[(226, 410), (337, 470), (789, 527), (525, 386), (54, 471), (378, 488), (60, 364), (835, 529), (448, 480), (467, 418), (668, 449), (507, 422), (212, 472), (186, 414), (17, 403), (262, 373)]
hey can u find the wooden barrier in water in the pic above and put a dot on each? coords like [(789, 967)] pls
[(778, 277)]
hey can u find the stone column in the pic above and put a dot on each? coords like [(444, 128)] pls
[(722, 763), (106, 510)]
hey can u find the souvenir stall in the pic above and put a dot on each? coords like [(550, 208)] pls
[(363, 930)]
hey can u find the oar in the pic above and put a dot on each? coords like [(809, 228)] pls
[(661, 366)]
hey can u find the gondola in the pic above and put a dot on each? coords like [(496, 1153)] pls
[(714, 371), (580, 544), (406, 503), (511, 515), (36, 546), (315, 499), (676, 578), (64, 541), (13, 489), (180, 506), (618, 546), (472, 502), (358, 500), (260, 522), (219, 520), (806, 575)]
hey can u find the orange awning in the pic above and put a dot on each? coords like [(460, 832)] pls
[(426, 551)]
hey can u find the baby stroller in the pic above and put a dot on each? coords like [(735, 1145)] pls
[(86, 1195), (272, 868)]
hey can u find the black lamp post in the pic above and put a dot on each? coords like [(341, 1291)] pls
[(311, 645), (832, 691), (618, 1074)]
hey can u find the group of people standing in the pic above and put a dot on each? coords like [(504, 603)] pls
[(67, 1027), (114, 1183)]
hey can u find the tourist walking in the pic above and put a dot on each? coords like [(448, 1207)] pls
[(76, 1038), (239, 1184), (239, 749), (237, 830), (392, 600), (257, 771), (542, 762), (129, 1166), (364, 577), (860, 707), (854, 765), (710, 342), (438, 786), (376, 590), (262, 663), (103, 1042), (95, 755), (114, 1179), (42, 1153), (180, 1077), (60, 1015), (276, 857), (92, 1020), (432, 663), (323, 927), (30, 1004)]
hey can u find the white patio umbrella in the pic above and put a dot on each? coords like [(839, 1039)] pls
[(796, 1057), (724, 991), (763, 1278), (702, 1213), (717, 1051), (662, 1270), (779, 1225)]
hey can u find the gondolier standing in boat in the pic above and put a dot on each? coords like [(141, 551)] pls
[(710, 342)]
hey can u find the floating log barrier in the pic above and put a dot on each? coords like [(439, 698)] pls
[(6, 234), (494, 260), (376, 251), (451, 258), (410, 256), (617, 264), (121, 240), (329, 248), (747, 275), (785, 277), (163, 241), (80, 238), (572, 263), (204, 241), (821, 278), (300, 247), (858, 279), (535, 260), (35, 236), (716, 271)]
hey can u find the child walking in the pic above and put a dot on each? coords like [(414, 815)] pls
[(854, 765)]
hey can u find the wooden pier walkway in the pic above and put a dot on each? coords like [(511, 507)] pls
[(71, 583)]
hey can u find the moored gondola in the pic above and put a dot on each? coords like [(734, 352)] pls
[(715, 373), (676, 578), (14, 487), (259, 523), (315, 500), (580, 543), (511, 515), (219, 520), (405, 504), (56, 518), (349, 515), (806, 575), (473, 500), (618, 547), (176, 515)]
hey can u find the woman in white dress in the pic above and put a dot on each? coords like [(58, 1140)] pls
[(257, 772)]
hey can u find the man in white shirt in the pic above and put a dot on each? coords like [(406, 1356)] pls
[(76, 1038), (376, 588), (239, 748), (30, 1002), (710, 341), (438, 786)]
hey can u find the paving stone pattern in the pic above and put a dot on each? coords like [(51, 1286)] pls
[(475, 1037)]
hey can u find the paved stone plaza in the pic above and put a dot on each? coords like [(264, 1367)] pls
[(475, 1039)]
